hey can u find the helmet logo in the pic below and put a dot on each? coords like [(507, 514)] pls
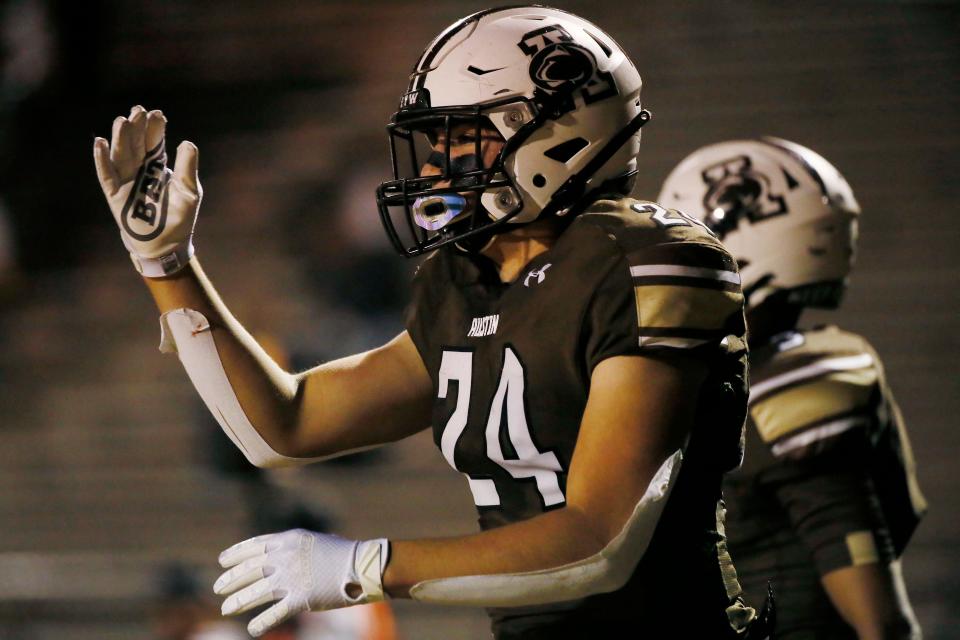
[(559, 66), (736, 190), (562, 66)]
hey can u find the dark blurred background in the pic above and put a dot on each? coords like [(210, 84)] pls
[(114, 496)]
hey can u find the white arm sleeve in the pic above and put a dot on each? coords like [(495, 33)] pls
[(187, 333), (605, 571)]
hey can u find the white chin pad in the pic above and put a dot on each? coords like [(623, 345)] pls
[(605, 571), (434, 212), (187, 333)]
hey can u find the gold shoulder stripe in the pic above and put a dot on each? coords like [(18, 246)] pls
[(805, 404), (680, 307)]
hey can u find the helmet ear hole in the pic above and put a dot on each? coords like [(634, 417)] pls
[(539, 181)]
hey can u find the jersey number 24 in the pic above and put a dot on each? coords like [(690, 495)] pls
[(544, 468)]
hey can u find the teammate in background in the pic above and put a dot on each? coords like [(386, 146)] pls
[(826, 499), (580, 355)]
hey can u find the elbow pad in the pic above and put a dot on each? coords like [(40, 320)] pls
[(187, 333), (605, 571)]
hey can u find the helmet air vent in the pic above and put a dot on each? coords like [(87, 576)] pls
[(564, 151)]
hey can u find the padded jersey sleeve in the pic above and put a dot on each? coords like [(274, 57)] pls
[(834, 508), (679, 296)]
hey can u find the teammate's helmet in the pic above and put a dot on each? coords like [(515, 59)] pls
[(562, 94), (782, 210)]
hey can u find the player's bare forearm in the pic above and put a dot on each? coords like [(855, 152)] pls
[(188, 288), (549, 540), (366, 399), (872, 600)]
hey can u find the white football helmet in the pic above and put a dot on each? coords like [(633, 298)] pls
[(562, 94), (782, 210)]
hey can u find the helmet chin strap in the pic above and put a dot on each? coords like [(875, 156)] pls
[(475, 244)]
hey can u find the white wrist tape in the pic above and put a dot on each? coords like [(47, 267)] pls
[(164, 265), (369, 562), (187, 333), (605, 571)]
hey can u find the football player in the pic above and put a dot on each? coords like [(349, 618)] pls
[(827, 498), (580, 355)]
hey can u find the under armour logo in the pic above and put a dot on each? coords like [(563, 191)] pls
[(539, 274)]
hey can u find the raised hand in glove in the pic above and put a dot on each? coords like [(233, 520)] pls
[(302, 571), (154, 207)]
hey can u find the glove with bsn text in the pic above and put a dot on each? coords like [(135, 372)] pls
[(303, 571), (154, 207)]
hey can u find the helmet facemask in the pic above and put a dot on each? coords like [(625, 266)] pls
[(441, 191)]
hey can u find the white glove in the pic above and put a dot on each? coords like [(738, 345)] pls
[(154, 207), (303, 570)]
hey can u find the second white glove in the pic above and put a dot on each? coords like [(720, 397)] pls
[(302, 571)]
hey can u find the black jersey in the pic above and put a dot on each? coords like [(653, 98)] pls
[(511, 365), (828, 480)]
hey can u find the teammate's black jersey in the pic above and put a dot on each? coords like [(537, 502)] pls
[(511, 365), (828, 480)]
